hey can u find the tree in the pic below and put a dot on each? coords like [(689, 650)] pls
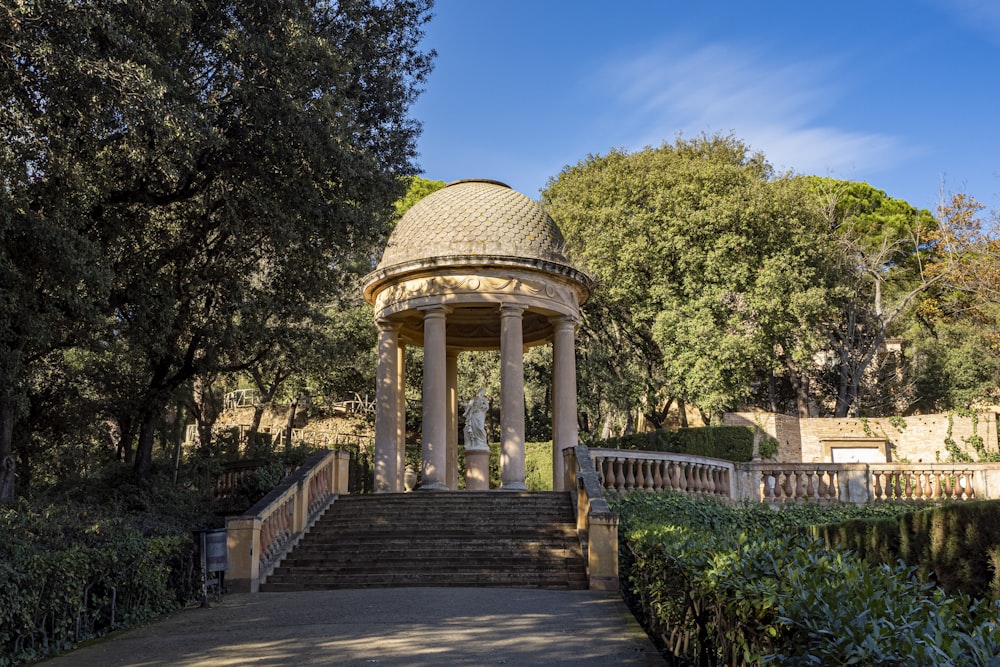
[(186, 174), (699, 248), (887, 249)]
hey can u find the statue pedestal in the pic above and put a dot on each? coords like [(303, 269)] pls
[(477, 469)]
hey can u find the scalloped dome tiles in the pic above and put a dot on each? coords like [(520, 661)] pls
[(474, 218)]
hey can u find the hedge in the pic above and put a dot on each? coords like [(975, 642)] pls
[(67, 575), (956, 545), (716, 584), (732, 443)]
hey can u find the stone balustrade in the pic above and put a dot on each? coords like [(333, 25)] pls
[(622, 471), (627, 470), (596, 524), (257, 540)]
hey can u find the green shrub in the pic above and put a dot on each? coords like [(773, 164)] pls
[(723, 585), (952, 545), (732, 443), (68, 574)]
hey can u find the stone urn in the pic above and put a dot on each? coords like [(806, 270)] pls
[(409, 479)]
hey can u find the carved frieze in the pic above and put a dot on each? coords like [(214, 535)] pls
[(525, 287)]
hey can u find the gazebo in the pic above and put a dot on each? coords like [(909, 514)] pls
[(473, 266)]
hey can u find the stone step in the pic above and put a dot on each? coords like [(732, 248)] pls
[(438, 539), (465, 579)]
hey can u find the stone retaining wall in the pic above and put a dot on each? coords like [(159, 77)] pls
[(916, 439)]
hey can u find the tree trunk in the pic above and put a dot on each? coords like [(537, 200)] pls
[(143, 467), (292, 407), (682, 411), (8, 490), (205, 412), (800, 384)]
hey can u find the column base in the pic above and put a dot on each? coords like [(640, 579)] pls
[(514, 486), (435, 486)]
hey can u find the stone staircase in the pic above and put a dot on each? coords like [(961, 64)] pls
[(463, 538)]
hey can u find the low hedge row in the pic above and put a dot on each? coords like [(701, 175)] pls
[(67, 575), (732, 443), (722, 585), (957, 545)]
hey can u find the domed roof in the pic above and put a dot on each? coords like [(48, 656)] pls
[(473, 219)]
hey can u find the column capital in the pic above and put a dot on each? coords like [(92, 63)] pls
[(436, 309), (512, 309), (386, 324), (563, 322)]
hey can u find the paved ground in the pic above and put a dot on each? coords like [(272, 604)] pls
[(415, 627)]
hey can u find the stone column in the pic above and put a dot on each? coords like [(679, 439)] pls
[(451, 462), (401, 419), (564, 418), (435, 399), (512, 398), (386, 407)]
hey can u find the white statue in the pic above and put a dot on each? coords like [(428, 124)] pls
[(475, 421)]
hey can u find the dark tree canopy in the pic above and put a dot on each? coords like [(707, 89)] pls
[(178, 176)]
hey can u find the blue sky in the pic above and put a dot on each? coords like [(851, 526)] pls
[(902, 94)]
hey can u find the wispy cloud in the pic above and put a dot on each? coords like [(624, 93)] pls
[(777, 107), (982, 16)]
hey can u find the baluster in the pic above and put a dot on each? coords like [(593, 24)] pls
[(620, 468), (946, 485), (640, 477), (657, 476), (676, 476), (692, 478), (928, 485), (630, 477), (877, 484), (822, 487), (833, 487), (779, 485), (767, 482), (606, 472), (968, 492), (809, 492), (935, 485), (788, 492), (616, 474), (713, 480)]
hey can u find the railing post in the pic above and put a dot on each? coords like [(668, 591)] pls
[(340, 478), (600, 523), (300, 505), (855, 480), (602, 551), (243, 554), (569, 468)]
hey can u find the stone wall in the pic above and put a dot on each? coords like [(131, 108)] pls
[(782, 428), (917, 439)]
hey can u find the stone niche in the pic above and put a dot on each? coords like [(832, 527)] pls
[(856, 450)]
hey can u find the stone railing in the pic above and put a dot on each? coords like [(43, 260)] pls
[(626, 470), (778, 483), (596, 524), (257, 540)]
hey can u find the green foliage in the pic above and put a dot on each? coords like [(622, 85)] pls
[(183, 181), (722, 585), (950, 545), (733, 443), (538, 466), (68, 573), (705, 264)]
